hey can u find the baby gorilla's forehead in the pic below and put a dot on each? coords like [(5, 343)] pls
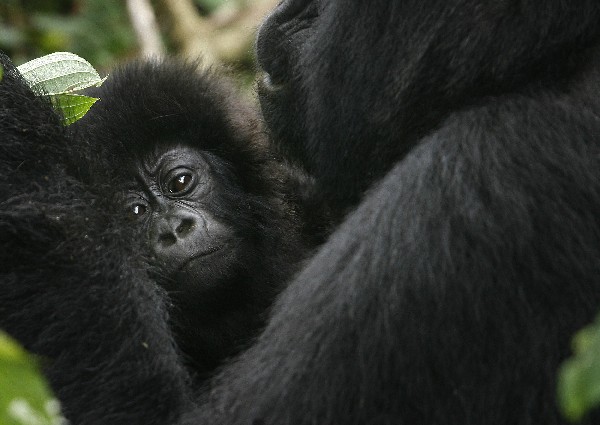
[(167, 155)]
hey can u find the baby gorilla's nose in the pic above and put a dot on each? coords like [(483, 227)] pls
[(185, 227), (174, 235)]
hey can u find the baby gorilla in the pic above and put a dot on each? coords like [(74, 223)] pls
[(212, 210)]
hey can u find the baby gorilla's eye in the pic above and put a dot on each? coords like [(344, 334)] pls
[(136, 211), (180, 183)]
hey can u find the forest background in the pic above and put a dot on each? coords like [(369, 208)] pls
[(109, 32)]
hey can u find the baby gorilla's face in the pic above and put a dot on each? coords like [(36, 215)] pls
[(172, 200)]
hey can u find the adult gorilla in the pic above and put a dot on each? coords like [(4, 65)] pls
[(464, 138)]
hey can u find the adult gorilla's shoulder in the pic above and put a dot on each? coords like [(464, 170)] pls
[(462, 140)]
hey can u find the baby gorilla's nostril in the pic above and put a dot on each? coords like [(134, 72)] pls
[(167, 239), (185, 227)]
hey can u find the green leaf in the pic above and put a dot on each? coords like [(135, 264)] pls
[(25, 398), (1, 72), (73, 106), (579, 376), (59, 73), (58, 76)]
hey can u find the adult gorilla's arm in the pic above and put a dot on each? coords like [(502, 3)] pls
[(69, 290), (450, 295)]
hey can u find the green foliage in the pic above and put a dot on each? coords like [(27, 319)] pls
[(58, 75), (98, 30), (73, 106), (25, 398), (579, 376), (210, 6), (60, 72)]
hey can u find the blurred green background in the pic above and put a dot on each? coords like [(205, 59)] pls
[(106, 32)]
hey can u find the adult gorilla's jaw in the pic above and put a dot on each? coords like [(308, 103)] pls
[(282, 110), (280, 43), (282, 101), (273, 45)]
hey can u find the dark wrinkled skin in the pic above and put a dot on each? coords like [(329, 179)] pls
[(171, 207)]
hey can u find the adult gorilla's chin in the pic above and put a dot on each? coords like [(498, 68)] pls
[(279, 103), (283, 99)]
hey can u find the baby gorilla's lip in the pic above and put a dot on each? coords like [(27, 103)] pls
[(203, 254)]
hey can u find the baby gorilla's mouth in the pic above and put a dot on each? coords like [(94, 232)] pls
[(201, 271), (200, 255)]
